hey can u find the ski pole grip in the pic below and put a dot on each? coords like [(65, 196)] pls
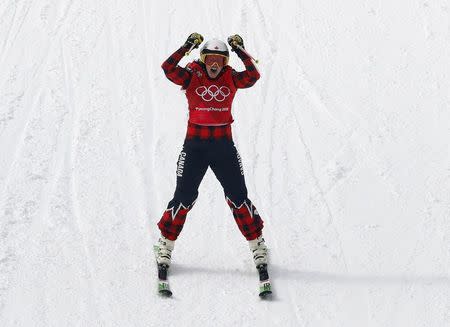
[(192, 47)]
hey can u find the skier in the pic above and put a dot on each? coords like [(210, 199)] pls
[(210, 86)]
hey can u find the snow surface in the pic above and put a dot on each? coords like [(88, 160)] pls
[(344, 141)]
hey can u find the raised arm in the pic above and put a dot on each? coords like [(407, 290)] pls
[(250, 75), (179, 75)]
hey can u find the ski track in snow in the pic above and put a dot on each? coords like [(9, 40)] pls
[(343, 142)]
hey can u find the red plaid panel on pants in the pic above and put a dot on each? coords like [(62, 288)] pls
[(172, 221), (247, 218)]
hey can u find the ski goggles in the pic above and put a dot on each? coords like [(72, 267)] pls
[(210, 59)]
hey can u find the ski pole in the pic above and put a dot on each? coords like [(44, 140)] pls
[(244, 51), (192, 47)]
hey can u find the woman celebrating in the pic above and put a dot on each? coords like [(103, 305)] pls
[(210, 86)]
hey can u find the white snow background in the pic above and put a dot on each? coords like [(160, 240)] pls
[(344, 141)]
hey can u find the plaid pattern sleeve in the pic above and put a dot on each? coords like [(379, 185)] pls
[(178, 75), (249, 76)]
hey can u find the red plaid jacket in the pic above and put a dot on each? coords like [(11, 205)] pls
[(205, 132), (182, 76)]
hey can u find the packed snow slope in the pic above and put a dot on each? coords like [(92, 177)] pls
[(344, 141)]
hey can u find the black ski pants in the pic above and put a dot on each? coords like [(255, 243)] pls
[(223, 158)]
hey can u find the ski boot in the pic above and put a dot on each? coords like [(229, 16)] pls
[(163, 251)]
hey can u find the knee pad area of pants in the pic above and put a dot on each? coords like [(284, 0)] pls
[(182, 197), (237, 201), (176, 203)]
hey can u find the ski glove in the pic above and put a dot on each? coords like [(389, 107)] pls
[(193, 39), (235, 41)]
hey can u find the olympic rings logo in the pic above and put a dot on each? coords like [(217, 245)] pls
[(213, 92)]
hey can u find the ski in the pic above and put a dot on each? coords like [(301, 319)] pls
[(163, 282), (265, 287)]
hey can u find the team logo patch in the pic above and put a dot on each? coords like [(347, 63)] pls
[(213, 92)]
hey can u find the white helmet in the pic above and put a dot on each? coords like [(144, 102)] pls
[(214, 46)]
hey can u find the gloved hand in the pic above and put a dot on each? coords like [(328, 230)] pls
[(234, 41), (193, 39)]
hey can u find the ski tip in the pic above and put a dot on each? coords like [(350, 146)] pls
[(265, 294), (165, 293), (265, 288), (164, 288)]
